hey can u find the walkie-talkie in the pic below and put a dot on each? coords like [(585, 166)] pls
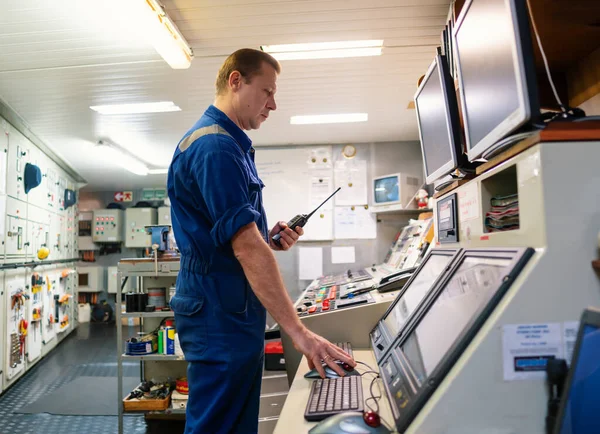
[(301, 219)]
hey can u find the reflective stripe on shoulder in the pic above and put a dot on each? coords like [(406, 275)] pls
[(204, 131)]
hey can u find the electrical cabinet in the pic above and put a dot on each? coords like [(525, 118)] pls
[(16, 230), (164, 215), (2, 327), (18, 156), (63, 299), (33, 315), (136, 220), (38, 232), (3, 226), (113, 283), (4, 131), (107, 226), (49, 341), (37, 195), (16, 328), (51, 188)]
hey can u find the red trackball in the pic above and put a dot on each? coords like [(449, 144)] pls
[(372, 419)]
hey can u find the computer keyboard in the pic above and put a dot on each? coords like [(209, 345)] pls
[(334, 395), (345, 346)]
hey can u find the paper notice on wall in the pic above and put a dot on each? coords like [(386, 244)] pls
[(319, 158), (354, 222), (468, 203), (2, 217), (527, 349), (3, 170), (351, 176), (310, 263), (343, 255), (320, 189), (570, 330)]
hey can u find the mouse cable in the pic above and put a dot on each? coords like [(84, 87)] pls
[(364, 364), (376, 399)]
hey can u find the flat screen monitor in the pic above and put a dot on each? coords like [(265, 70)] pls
[(438, 121), (580, 405), (416, 290), (496, 71), (387, 189), (460, 305)]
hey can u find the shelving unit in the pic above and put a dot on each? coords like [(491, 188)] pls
[(146, 269)]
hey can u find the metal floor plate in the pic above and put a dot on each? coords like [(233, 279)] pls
[(90, 350)]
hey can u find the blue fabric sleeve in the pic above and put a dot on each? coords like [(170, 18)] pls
[(223, 184)]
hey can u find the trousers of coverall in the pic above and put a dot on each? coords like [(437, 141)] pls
[(221, 328)]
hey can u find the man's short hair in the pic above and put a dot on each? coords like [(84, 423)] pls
[(248, 62)]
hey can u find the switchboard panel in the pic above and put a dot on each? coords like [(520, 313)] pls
[(113, 283), (4, 130), (34, 307), (16, 326), (16, 230), (38, 194), (2, 226), (2, 326), (107, 226), (136, 220), (48, 311), (38, 231), (51, 188), (18, 154), (62, 302)]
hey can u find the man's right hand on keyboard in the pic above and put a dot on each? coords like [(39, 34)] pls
[(319, 350)]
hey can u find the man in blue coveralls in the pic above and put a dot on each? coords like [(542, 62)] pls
[(228, 272)]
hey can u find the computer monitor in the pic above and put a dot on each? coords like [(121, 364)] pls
[(496, 71), (438, 121), (394, 190), (410, 298), (461, 303), (580, 405)]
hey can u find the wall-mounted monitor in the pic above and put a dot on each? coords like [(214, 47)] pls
[(496, 71), (394, 191)]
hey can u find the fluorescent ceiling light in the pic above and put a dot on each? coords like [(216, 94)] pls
[(329, 119), (149, 107), (151, 20), (325, 50), (158, 171), (116, 156)]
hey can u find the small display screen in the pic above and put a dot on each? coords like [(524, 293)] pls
[(470, 288), (418, 289), (582, 408), (387, 190), (445, 220)]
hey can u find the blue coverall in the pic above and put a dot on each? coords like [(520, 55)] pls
[(214, 191)]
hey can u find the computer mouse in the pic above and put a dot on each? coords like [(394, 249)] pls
[(329, 373), (349, 422)]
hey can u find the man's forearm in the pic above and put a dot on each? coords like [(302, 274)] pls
[(262, 272)]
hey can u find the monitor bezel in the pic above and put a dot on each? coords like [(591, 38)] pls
[(452, 120), (399, 177), (524, 69), (590, 316), (454, 254), (520, 258)]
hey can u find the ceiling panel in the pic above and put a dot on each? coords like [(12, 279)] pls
[(58, 58)]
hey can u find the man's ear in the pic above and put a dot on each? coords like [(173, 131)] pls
[(235, 80)]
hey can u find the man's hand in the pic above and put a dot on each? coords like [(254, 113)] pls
[(318, 350), (288, 236)]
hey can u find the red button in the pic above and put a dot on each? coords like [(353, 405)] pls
[(312, 309), (325, 308)]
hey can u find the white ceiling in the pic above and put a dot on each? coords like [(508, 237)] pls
[(59, 57)]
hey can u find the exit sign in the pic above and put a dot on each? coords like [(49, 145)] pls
[(154, 194)]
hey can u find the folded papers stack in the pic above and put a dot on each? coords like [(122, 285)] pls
[(504, 215)]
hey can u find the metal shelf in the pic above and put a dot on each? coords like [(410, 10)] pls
[(160, 314), (167, 411), (154, 357)]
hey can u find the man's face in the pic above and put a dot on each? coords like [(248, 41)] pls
[(256, 99)]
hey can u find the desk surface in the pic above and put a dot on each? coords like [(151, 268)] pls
[(291, 419)]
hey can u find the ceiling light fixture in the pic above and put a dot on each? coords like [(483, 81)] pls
[(158, 171), (325, 50), (157, 27), (148, 107), (113, 154), (329, 119)]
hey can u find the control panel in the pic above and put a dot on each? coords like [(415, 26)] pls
[(16, 230), (320, 299), (18, 154), (136, 220), (107, 226)]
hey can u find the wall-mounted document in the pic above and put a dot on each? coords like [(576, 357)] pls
[(351, 175), (310, 262), (320, 158), (319, 227), (343, 255), (320, 189), (354, 222)]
